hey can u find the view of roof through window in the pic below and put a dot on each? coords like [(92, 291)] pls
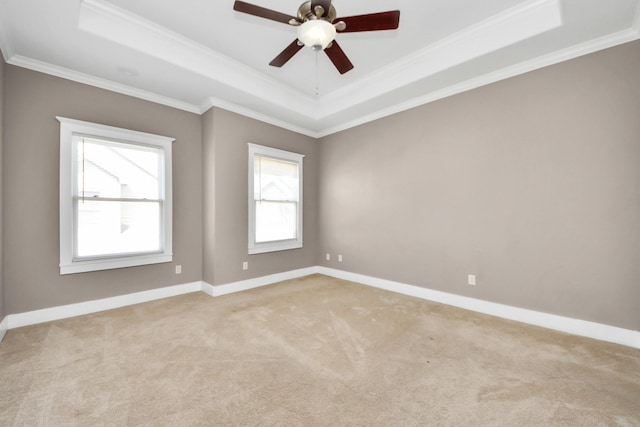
[(117, 190), (276, 193)]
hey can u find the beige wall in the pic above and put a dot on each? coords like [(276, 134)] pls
[(2, 65), (210, 220), (208, 196), (226, 180), (30, 208), (532, 184)]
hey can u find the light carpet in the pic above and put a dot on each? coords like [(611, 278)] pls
[(314, 351)]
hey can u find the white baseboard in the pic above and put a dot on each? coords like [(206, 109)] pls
[(4, 326), (243, 285), (78, 309), (551, 321), (87, 307)]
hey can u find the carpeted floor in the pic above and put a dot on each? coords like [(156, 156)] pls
[(311, 351)]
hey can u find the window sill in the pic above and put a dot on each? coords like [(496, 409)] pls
[(111, 263), (274, 247)]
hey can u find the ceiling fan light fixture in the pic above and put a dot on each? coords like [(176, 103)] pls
[(316, 33)]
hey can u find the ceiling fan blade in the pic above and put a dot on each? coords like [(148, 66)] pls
[(262, 12), (371, 22), (338, 57), (286, 54), (326, 5)]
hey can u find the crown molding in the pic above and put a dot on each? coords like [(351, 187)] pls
[(511, 26), (65, 73), (535, 15), (502, 74), (265, 118), (526, 20), (109, 22)]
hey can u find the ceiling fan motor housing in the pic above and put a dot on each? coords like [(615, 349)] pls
[(305, 13)]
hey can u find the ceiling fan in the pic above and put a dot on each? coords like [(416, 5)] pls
[(317, 26)]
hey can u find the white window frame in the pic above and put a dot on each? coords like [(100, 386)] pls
[(68, 263), (279, 245)]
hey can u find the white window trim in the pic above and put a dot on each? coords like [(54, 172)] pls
[(69, 265), (282, 245)]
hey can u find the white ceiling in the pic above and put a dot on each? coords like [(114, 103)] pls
[(195, 54)]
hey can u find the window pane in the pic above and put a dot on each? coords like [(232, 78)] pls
[(117, 227), (275, 196), (113, 170), (275, 221), (275, 179)]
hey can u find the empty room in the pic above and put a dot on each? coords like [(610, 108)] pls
[(358, 213)]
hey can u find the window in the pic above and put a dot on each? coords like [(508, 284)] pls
[(115, 197), (275, 199)]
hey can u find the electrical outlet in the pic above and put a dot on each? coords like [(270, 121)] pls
[(245, 265), (471, 279), (178, 269), (328, 257), (339, 258)]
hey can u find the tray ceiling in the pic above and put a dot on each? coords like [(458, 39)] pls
[(195, 54)]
